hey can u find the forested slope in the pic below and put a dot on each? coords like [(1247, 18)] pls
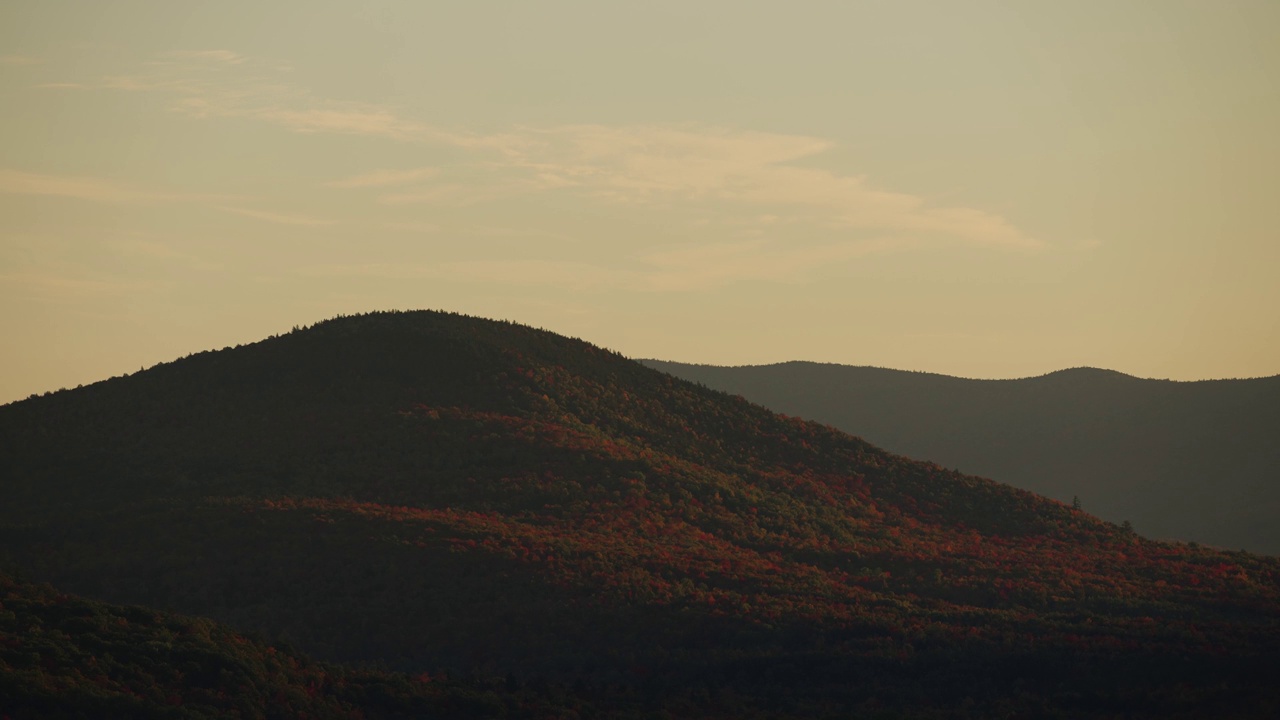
[(1195, 461), (435, 492), (63, 656)]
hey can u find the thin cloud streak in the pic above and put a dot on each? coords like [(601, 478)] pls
[(652, 164), (277, 218), (222, 56), (411, 227), (510, 232), (163, 252), (563, 273), (452, 193), (17, 182), (686, 269), (708, 266), (663, 166), (385, 178), (69, 288), (357, 120)]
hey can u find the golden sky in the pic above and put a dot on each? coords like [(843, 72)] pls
[(985, 189)]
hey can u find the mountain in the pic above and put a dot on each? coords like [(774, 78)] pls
[(1196, 461), (63, 656), (431, 492)]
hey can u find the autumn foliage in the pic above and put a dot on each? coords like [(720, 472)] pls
[(431, 492)]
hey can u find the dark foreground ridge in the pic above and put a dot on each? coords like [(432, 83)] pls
[(1195, 461), (429, 492), (63, 656)]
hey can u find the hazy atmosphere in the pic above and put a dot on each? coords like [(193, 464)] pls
[(985, 189), (606, 360)]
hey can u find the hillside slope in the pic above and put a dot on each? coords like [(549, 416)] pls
[(429, 491), (63, 656), (1196, 461)]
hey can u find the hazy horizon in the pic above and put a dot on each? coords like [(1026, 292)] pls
[(988, 190), (649, 361)]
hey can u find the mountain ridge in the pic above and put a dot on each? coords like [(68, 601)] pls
[(1067, 371), (63, 656), (428, 490), (1130, 448)]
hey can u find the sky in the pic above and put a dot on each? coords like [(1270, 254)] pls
[(983, 189)]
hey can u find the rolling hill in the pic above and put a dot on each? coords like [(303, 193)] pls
[(431, 492), (1195, 461), (63, 656)]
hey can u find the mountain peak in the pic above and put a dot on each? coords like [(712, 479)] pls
[(1086, 374)]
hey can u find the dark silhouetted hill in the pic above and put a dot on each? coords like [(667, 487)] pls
[(427, 491), (1196, 461), (63, 656)]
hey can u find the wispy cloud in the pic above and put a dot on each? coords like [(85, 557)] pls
[(156, 250), (61, 86), (277, 218), (739, 172), (563, 273), (453, 193), (510, 232), (141, 83), (693, 164), (732, 171), (385, 178), (680, 269), (707, 266), (70, 287), (222, 56), (475, 231), (343, 120), (17, 182), (18, 60), (221, 83), (411, 227)]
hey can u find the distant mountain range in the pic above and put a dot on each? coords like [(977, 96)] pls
[(1196, 461), (428, 492)]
